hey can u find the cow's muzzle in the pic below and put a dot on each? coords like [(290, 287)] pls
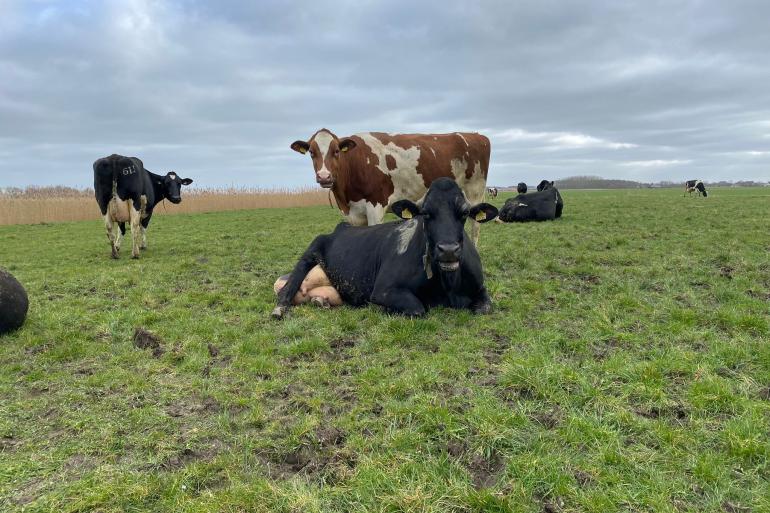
[(176, 200), (448, 256), (326, 184)]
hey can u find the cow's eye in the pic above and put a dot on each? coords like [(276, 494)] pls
[(336, 153), (312, 154)]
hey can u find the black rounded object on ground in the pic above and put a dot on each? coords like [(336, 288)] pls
[(13, 303)]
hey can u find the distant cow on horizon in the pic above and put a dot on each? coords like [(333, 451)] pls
[(695, 185), (492, 192), (521, 188)]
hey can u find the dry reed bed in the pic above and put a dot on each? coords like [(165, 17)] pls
[(60, 204)]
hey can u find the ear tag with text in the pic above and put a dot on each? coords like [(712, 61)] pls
[(481, 216), (406, 214)]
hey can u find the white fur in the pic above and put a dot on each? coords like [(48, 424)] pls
[(406, 231), (323, 140)]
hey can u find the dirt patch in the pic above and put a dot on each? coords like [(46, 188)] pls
[(8, 443), (549, 419), (764, 394), (500, 344), (765, 296), (144, 339), (322, 457), (583, 478), (191, 455), (731, 507), (340, 348), (605, 348), (726, 272), (30, 491), (484, 471), (552, 506), (676, 412), (591, 279), (215, 360), (205, 406)]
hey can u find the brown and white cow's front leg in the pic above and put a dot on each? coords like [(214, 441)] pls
[(144, 238)]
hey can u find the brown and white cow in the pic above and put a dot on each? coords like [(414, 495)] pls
[(370, 171)]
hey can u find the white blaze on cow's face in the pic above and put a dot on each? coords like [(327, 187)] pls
[(325, 151)]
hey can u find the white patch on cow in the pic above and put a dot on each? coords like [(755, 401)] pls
[(144, 238), (357, 213), (434, 151), (462, 137), (374, 213), (172, 176), (407, 182), (405, 231), (323, 140)]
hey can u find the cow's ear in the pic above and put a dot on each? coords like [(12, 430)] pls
[(300, 147), (405, 209), (186, 181), (347, 144), (483, 212)]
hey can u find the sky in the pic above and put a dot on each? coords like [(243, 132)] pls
[(217, 90)]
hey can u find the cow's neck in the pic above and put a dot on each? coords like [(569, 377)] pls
[(341, 187), (158, 189)]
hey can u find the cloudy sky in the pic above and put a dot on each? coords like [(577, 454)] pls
[(217, 89)]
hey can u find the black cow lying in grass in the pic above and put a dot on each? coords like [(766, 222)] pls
[(127, 192), (405, 267), (695, 185), (13, 303), (536, 206)]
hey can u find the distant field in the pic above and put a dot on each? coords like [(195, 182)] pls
[(53, 205), (626, 367)]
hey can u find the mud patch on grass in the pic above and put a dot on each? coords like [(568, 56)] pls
[(726, 271), (144, 339), (671, 413), (765, 296), (549, 419), (194, 406), (483, 470), (215, 360), (583, 478), (189, 455), (732, 507)]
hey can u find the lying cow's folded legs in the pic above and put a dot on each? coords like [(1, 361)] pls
[(399, 301), (306, 263), (482, 304)]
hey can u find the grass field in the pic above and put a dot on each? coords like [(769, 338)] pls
[(626, 367)]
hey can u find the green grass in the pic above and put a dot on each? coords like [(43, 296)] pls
[(626, 367)]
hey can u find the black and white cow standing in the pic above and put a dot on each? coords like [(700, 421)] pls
[(14, 303), (521, 188), (127, 192), (405, 267), (542, 205), (492, 191), (695, 185)]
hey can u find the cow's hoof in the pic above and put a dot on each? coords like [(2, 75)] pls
[(279, 312), (115, 254), (135, 257), (483, 308), (320, 301)]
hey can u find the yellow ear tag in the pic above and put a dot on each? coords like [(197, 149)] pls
[(344, 149), (406, 214), (302, 151), (481, 216)]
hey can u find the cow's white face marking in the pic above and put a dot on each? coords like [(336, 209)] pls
[(406, 231), (323, 140)]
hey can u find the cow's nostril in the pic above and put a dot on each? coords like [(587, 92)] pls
[(450, 249)]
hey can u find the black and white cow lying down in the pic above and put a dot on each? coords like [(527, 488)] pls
[(542, 205), (695, 185), (127, 192), (405, 267), (14, 303)]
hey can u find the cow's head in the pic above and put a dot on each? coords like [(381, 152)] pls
[(444, 211), (172, 187), (545, 184), (521, 188), (325, 151)]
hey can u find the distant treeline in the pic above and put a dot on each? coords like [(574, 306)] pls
[(597, 182)]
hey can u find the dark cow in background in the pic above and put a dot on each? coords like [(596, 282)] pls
[(695, 185), (544, 184), (542, 205), (14, 303), (370, 171), (492, 191), (127, 192), (521, 188), (405, 267)]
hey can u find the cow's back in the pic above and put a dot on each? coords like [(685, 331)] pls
[(390, 167)]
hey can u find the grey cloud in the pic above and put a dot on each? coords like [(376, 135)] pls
[(218, 90)]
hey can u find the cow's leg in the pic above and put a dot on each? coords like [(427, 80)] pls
[(144, 238), (482, 304), (398, 301), (119, 235), (136, 232), (374, 214), (110, 227), (308, 260)]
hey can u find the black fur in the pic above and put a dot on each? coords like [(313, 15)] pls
[(14, 303)]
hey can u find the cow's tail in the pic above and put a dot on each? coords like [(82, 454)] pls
[(114, 198)]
